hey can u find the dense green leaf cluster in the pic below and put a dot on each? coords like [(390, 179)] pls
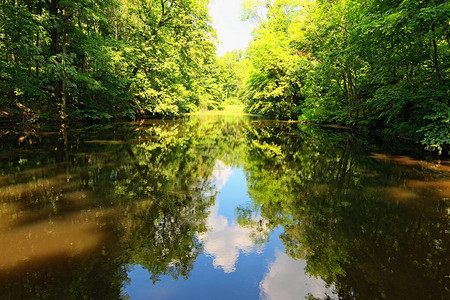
[(233, 69), (371, 63), (103, 59)]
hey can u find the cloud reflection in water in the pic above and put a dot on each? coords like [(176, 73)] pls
[(286, 279), (225, 240)]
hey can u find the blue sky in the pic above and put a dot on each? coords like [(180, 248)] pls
[(231, 31)]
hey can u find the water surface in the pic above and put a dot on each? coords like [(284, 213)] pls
[(221, 207)]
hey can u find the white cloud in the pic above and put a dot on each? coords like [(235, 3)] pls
[(231, 31), (286, 279)]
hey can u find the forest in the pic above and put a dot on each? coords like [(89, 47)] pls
[(370, 64)]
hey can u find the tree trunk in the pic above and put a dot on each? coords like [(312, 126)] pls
[(63, 62), (53, 10), (435, 58), (116, 36), (37, 46), (346, 93)]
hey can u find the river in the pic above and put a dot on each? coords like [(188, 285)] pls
[(221, 207)]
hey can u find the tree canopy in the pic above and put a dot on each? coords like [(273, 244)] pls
[(369, 63), (378, 65), (103, 59)]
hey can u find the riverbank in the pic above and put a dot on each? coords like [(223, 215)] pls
[(21, 122), (225, 110)]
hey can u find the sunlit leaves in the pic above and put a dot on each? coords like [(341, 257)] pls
[(113, 57), (378, 64)]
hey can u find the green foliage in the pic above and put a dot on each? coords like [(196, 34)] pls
[(233, 71), (437, 132), (275, 75), (102, 59), (378, 64), (381, 65)]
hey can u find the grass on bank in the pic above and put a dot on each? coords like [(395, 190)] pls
[(232, 109)]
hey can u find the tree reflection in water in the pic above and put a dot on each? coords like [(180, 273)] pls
[(77, 208), (335, 204)]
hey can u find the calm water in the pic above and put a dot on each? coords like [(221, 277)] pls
[(221, 208)]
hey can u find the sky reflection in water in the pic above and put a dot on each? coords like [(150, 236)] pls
[(230, 255), (221, 207)]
